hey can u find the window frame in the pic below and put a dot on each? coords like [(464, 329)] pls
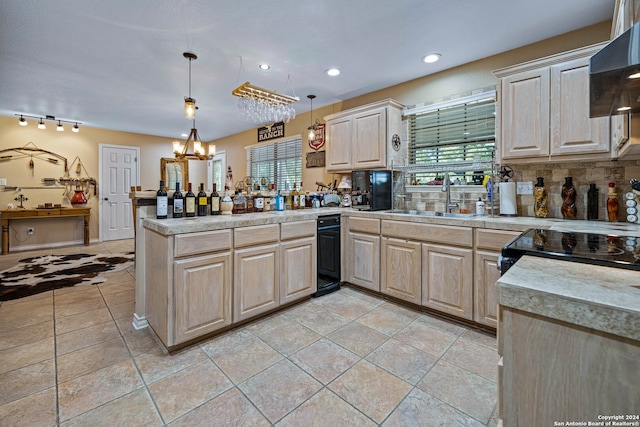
[(279, 167)]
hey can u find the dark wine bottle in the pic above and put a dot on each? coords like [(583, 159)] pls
[(162, 202), (215, 201), (202, 201), (190, 203), (178, 202)]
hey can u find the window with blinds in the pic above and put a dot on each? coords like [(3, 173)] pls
[(452, 132), (279, 162)]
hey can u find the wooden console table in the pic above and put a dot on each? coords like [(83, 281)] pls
[(7, 215)]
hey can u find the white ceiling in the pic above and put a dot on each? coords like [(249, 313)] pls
[(118, 64)]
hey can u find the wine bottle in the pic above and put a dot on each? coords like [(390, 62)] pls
[(190, 203), (162, 202), (202, 201), (215, 200), (295, 197), (178, 202), (301, 197)]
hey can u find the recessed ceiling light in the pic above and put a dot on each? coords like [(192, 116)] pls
[(333, 72), (431, 58), (184, 135), (264, 67), (624, 108)]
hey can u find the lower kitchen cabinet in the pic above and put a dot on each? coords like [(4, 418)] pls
[(202, 295), (447, 279), (488, 245), (298, 269), (256, 281), (363, 260), (400, 263)]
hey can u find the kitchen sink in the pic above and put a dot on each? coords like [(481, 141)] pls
[(433, 213)]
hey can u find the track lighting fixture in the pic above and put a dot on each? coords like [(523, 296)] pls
[(41, 125)]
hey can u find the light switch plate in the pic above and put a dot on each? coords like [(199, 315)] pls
[(3, 181), (524, 187)]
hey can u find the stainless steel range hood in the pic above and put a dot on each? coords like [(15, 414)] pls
[(611, 89)]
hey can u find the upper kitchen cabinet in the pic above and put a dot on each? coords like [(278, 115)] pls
[(366, 137), (544, 111)]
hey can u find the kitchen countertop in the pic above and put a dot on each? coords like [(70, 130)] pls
[(179, 226), (601, 298)]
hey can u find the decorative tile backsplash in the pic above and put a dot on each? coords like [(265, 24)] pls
[(583, 173)]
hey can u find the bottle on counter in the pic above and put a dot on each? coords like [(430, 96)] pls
[(279, 202), (272, 199), (295, 197), (480, 206), (162, 202), (568, 194), (215, 200), (178, 202), (592, 202), (540, 208), (258, 203), (190, 203), (612, 203), (250, 203), (239, 203), (315, 202), (301, 197), (226, 204), (203, 202)]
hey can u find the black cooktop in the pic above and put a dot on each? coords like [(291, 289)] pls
[(588, 248)]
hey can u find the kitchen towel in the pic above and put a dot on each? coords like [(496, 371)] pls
[(507, 198)]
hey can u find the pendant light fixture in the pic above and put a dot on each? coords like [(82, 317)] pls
[(189, 102), (312, 128), (181, 150)]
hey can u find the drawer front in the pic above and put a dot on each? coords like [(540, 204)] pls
[(445, 234), (493, 239), (364, 225), (293, 230), (207, 241), (251, 236)]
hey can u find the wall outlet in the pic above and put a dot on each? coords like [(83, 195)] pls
[(3, 181), (525, 187), (30, 231)]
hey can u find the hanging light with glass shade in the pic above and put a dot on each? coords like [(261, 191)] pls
[(312, 128), (181, 149)]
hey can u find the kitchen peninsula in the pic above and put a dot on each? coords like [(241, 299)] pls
[(569, 341)]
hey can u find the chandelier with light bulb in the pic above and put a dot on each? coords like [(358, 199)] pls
[(181, 149)]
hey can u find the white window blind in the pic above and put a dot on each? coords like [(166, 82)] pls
[(279, 162), (456, 131)]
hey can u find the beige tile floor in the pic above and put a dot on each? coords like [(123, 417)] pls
[(70, 357)]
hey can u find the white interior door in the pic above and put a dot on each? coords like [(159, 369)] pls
[(216, 170), (119, 171)]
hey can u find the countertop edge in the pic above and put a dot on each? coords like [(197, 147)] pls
[(530, 286)]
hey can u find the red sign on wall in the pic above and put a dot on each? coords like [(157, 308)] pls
[(317, 142)]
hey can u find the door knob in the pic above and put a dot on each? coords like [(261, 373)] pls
[(106, 199)]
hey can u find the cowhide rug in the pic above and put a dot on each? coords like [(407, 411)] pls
[(44, 273)]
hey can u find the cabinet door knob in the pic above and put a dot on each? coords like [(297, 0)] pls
[(106, 199)]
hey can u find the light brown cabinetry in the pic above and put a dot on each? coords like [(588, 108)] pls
[(362, 249), (400, 261), (360, 138), (447, 279), (202, 294), (553, 371), (189, 284), (298, 266), (256, 271), (544, 110), (488, 244)]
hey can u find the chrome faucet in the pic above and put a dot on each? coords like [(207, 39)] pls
[(446, 187)]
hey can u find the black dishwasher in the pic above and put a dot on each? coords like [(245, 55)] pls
[(328, 254)]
